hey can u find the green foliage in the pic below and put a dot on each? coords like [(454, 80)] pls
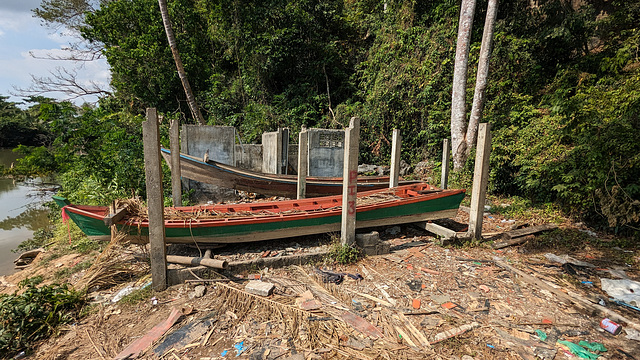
[(40, 238), (33, 313), (343, 254)]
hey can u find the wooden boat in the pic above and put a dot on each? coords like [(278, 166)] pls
[(233, 223), (212, 172)]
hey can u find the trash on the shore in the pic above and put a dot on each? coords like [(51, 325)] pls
[(624, 290)]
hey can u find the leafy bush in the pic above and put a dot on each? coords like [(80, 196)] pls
[(343, 254), (35, 314)]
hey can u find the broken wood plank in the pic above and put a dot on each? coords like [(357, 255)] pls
[(516, 241), (528, 231), (405, 337), (439, 230), (372, 298), (113, 218), (417, 333), (454, 332)]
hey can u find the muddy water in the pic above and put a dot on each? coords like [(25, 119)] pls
[(21, 212)]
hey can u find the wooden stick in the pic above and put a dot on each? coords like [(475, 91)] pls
[(417, 333), (94, 344), (405, 337)]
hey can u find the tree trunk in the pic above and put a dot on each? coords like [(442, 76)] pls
[(195, 111), (458, 107), (482, 76)]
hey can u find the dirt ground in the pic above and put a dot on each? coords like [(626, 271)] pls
[(420, 301)]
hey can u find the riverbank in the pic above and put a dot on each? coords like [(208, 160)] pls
[(471, 301), (21, 212)]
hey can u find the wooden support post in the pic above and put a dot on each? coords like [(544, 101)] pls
[(396, 144), (480, 180), (176, 181), (446, 150), (350, 182), (303, 162), (153, 173)]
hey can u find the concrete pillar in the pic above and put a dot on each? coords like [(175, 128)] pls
[(480, 180), (444, 179), (396, 144), (350, 182), (176, 181), (303, 162), (153, 173)]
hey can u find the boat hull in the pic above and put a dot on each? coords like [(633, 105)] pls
[(443, 204), (231, 177)]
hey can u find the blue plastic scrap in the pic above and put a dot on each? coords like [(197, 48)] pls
[(224, 353), (239, 348)]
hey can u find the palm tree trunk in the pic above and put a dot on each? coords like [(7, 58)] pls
[(458, 106), (195, 111), (482, 76)]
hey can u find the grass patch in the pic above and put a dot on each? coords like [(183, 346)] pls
[(65, 273), (343, 254)]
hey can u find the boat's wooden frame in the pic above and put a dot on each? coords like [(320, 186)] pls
[(278, 219), (212, 172)]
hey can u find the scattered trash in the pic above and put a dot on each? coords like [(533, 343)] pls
[(610, 326), (154, 334), (224, 353), (542, 335), (416, 304), (491, 346), (239, 348), (632, 334), (415, 285), (577, 350), (563, 259), (627, 291), (330, 277), (593, 346), (449, 305)]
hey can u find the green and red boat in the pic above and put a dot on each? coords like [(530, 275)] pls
[(234, 223)]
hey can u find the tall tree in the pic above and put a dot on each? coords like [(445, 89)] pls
[(458, 106), (166, 20), (482, 76)]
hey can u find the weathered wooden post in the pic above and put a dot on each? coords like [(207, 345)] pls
[(176, 181), (480, 180), (303, 161), (444, 179), (153, 173), (396, 144), (350, 182)]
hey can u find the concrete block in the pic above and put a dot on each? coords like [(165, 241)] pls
[(381, 248), (368, 239), (261, 288)]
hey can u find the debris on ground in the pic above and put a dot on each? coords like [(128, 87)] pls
[(419, 301)]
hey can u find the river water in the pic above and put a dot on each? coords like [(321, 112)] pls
[(21, 212)]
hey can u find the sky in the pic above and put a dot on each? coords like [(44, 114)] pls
[(21, 35)]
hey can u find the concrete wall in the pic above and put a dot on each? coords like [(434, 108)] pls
[(249, 156), (220, 142), (326, 152)]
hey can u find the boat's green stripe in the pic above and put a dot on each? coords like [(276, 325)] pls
[(95, 227)]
